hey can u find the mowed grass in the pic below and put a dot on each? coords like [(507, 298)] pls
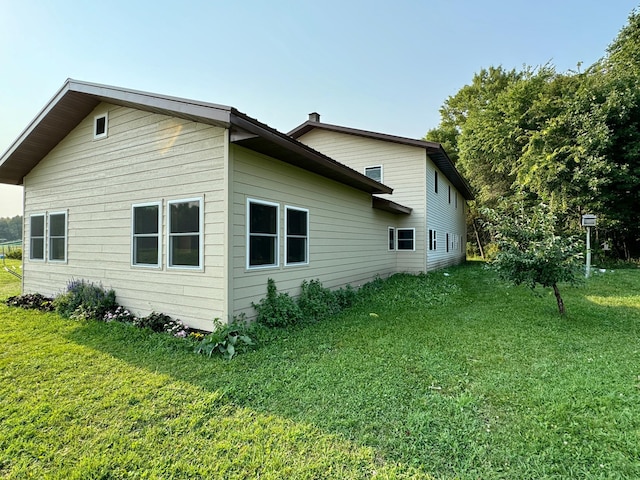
[(443, 376)]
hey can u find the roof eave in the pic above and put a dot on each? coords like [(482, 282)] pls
[(389, 206), (289, 150)]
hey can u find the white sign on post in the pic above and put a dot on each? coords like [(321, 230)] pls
[(588, 220)]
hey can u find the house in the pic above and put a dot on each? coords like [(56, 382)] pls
[(423, 178), (187, 208)]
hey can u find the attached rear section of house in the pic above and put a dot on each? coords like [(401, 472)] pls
[(188, 208), (423, 178)]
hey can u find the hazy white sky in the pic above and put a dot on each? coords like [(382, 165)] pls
[(385, 66)]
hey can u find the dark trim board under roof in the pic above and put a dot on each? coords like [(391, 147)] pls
[(434, 150), (76, 99), (389, 206)]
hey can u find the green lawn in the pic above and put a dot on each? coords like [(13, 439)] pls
[(457, 376)]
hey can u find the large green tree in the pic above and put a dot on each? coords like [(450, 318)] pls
[(571, 140)]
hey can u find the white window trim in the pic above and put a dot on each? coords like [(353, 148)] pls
[(44, 238), (200, 265), (105, 134), (286, 236), (375, 166), (66, 236), (389, 247), (248, 234), (159, 235), (398, 240)]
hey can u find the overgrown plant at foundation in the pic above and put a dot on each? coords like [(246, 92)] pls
[(31, 301), (226, 340), (277, 309), (314, 303), (85, 300), (530, 252)]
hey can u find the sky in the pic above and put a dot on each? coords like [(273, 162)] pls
[(384, 66)]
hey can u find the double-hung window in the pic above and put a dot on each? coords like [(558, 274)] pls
[(297, 236), (57, 236), (36, 237), (184, 232), (406, 238), (145, 231), (262, 234)]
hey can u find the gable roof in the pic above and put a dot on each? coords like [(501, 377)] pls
[(76, 99), (434, 150)]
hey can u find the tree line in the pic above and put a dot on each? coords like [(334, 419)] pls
[(10, 228), (570, 140)]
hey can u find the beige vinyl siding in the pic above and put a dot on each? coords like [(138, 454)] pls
[(146, 157), (403, 169), (444, 218), (347, 237)]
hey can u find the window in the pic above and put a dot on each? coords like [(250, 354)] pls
[(184, 225), (435, 183), (58, 237), (100, 125), (374, 173), (145, 234), (392, 238), (297, 236), (456, 199), (406, 238), (449, 186), (447, 242), (36, 237), (432, 240), (262, 234)]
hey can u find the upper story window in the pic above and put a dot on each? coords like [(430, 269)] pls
[(374, 173), (297, 236), (100, 126), (57, 236), (145, 232), (435, 183), (262, 234), (36, 237), (449, 186), (184, 225)]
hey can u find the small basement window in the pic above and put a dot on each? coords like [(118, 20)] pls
[(100, 124)]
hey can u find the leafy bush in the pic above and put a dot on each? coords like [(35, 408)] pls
[(277, 309), (15, 254), (226, 340), (84, 300), (315, 301), (161, 323), (31, 301), (345, 297)]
